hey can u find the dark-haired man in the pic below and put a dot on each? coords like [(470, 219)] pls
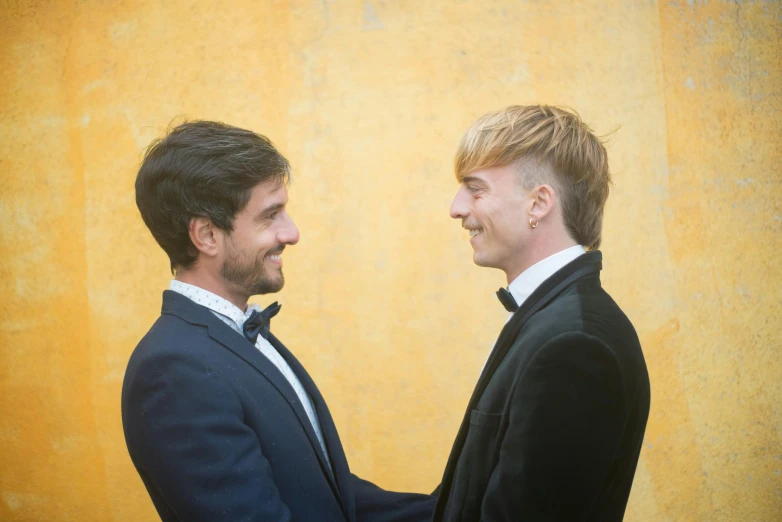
[(221, 421)]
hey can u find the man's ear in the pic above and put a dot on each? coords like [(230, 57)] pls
[(204, 234), (543, 201)]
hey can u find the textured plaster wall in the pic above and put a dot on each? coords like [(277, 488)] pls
[(383, 304)]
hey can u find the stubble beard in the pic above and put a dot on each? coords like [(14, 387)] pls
[(250, 275)]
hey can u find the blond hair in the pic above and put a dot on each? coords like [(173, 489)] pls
[(549, 135)]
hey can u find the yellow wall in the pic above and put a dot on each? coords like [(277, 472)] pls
[(383, 304)]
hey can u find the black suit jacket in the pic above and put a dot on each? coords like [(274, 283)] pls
[(218, 434), (554, 427)]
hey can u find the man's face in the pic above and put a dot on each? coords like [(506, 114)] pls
[(252, 261), (493, 207)]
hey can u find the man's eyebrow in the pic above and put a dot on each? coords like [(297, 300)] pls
[(271, 208), (473, 179)]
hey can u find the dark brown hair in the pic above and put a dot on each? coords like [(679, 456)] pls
[(202, 169)]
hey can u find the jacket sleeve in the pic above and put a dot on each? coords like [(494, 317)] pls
[(185, 431), (566, 421), (374, 504)]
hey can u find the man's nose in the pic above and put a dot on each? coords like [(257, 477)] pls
[(459, 204), (289, 235)]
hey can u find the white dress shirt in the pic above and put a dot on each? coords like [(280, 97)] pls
[(530, 279), (234, 317)]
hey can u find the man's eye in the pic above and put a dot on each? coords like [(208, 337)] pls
[(272, 215)]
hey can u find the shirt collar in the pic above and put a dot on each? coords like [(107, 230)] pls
[(213, 302), (526, 283)]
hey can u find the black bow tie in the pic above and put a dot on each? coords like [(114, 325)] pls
[(507, 300), (259, 322)]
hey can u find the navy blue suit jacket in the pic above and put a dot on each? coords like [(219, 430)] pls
[(218, 434)]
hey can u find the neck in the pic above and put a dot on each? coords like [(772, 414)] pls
[(546, 247), (213, 283)]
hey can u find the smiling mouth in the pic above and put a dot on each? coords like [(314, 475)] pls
[(473, 230), (276, 254)]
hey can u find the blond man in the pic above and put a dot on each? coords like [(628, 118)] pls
[(554, 427)]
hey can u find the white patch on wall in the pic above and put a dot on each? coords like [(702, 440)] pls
[(520, 74), (371, 21), (91, 86), (17, 501), (123, 32)]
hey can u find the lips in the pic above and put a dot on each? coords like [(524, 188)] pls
[(275, 255), (472, 228)]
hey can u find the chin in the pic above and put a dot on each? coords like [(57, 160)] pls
[(483, 261), (275, 285), (480, 261), (268, 285)]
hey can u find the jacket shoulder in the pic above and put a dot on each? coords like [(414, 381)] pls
[(587, 308), (169, 332), (170, 337)]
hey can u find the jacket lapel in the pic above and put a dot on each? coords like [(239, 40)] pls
[(582, 266), (195, 314), (328, 429), (586, 264)]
